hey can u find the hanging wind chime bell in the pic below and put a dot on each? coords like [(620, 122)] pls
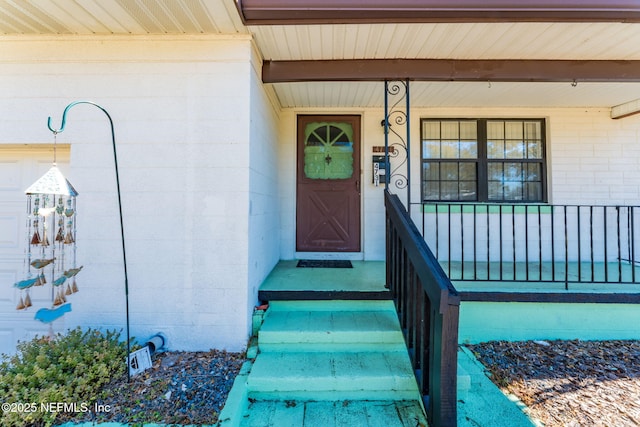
[(51, 244)]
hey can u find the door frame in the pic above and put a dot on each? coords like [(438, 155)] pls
[(299, 169)]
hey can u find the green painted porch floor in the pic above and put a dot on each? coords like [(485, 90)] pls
[(598, 277), (366, 280)]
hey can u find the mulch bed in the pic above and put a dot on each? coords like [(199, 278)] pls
[(180, 388), (569, 383)]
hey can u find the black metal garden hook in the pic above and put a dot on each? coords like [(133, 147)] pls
[(124, 253)]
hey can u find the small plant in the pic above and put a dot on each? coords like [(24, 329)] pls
[(49, 379)]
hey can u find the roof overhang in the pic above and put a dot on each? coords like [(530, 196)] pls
[(291, 12)]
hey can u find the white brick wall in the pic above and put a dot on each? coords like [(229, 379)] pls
[(264, 215), (180, 108), (595, 160)]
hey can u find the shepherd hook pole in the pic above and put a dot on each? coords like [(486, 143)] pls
[(124, 253)]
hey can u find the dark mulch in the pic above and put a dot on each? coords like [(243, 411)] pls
[(569, 383), (180, 388)]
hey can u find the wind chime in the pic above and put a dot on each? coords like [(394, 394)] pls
[(51, 243)]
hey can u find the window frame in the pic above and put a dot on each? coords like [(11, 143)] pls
[(482, 161)]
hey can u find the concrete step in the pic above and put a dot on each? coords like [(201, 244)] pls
[(332, 414), (332, 305), (318, 330), (332, 376)]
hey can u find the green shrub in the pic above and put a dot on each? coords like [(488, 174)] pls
[(49, 379)]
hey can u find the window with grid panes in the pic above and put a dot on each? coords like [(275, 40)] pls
[(484, 160)]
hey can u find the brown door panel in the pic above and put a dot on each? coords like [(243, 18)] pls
[(328, 209)]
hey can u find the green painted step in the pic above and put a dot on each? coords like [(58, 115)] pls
[(332, 305), (317, 330), (365, 276), (334, 414), (332, 376)]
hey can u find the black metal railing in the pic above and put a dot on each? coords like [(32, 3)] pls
[(543, 243), (428, 309)]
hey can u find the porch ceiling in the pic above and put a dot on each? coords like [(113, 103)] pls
[(579, 39), (458, 94), (495, 40)]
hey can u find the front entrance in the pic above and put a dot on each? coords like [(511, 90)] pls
[(328, 184)]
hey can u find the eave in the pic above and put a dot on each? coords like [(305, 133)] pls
[(293, 12)]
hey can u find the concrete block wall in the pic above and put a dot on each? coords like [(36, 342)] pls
[(596, 160), (180, 107), (264, 207)]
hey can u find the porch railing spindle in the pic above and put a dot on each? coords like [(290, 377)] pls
[(606, 256), (632, 261), (579, 246), (488, 246), (475, 242), (540, 243), (619, 247), (593, 266), (566, 250), (513, 240), (449, 239), (437, 232), (462, 241), (500, 241), (553, 245), (526, 242)]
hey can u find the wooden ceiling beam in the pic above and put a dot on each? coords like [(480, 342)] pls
[(451, 70), (294, 12)]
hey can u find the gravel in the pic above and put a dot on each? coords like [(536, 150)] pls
[(180, 388), (562, 383), (569, 383)]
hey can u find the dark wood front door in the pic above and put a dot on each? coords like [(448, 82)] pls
[(328, 184)]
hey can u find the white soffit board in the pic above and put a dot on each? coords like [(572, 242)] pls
[(576, 41), (128, 17), (457, 94)]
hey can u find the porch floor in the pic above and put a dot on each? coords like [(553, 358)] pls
[(544, 277), (365, 281)]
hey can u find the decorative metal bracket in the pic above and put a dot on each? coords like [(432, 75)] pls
[(397, 134), (124, 252)]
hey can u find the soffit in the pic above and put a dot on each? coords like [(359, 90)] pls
[(135, 17), (507, 40), (458, 94)]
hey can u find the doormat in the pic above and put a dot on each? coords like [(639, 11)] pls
[(324, 263)]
